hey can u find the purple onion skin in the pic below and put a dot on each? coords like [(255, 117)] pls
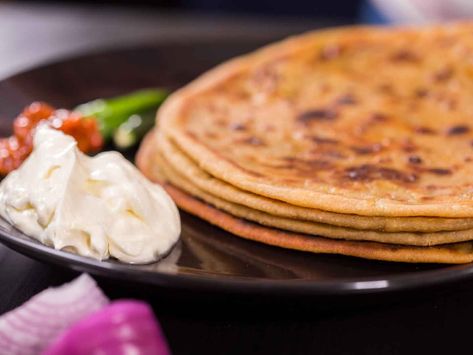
[(122, 328)]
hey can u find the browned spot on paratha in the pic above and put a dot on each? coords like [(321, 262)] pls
[(439, 171), (443, 74), (367, 149), (323, 140), (346, 99), (404, 55), (367, 172), (321, 114), (415, 159), (458, 129), (424, 130)]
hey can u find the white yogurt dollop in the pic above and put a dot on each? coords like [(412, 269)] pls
[(96, 207)]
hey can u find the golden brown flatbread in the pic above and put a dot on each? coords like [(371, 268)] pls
[(206, 182), (311, 228), (451, 253), (364, 120)]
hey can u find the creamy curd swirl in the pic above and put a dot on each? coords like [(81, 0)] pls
[(97, 207)]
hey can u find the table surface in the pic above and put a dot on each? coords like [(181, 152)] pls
[(433, 321)]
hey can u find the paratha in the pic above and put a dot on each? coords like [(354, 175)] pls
[(456, 253), (170, 175), (206, 182), (364, 120)]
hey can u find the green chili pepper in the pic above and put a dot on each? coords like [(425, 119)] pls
[(111, 113)]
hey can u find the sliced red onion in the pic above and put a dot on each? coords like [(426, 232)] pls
[(122, 328), (29, 328)]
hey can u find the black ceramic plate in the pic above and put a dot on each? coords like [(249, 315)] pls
[(206, 258)]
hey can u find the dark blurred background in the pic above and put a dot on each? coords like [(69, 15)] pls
[(346, 10), (36, 32)]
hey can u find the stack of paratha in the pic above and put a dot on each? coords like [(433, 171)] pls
[(357, 141)]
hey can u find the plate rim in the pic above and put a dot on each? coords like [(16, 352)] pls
[(233, 284)]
